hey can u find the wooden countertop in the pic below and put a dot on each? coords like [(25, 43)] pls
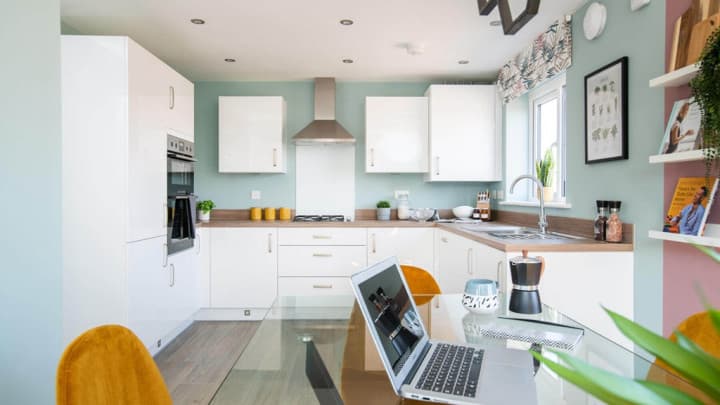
[(562, 245)]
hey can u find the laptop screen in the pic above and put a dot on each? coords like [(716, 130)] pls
[(393, 315)]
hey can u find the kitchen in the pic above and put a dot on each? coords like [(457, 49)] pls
[(234, 191)]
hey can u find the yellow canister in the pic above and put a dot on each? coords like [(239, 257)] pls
[(255, 213), (269, 214), (284, 214)]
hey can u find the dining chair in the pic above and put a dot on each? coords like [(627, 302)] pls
[(109, 365), (422, 284), (700, 330)]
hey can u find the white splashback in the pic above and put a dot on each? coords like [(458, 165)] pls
[(325, 179)]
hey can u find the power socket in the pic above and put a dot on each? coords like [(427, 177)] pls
[(255, 195)]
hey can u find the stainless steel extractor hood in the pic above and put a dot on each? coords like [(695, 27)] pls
[(324, 129)]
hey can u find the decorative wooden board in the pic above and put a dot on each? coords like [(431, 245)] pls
[(692, 16), (700, 33)]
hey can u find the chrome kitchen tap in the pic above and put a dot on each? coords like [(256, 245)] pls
[(542, 222)]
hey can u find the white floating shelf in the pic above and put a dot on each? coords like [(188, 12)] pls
[(678, 157), (675, 237), (676, 77)]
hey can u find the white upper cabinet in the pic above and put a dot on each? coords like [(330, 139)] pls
[(464, 138), (251, 135), (396, 134), (180, 104)]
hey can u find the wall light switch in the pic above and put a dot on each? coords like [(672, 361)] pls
[(403, 193), (255, 194)]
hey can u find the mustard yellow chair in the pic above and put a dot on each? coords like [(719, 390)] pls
[(422, 284), (700, 330), (109, 365)]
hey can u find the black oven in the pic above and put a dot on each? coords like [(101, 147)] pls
[(180, 194)]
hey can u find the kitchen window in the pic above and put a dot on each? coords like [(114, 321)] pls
[(535, 125)]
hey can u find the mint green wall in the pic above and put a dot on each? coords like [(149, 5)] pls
[(233, 190), (30, 180), (639, 185)]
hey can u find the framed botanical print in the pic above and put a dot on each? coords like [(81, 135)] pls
[(606, 117)]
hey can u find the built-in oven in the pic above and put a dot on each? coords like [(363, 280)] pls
[(180, 194)]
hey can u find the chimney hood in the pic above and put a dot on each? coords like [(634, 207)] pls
[(324, 129)]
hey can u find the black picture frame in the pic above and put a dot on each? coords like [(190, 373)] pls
[(606, 113)]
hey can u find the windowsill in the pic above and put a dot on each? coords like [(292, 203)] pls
[(552, 204)]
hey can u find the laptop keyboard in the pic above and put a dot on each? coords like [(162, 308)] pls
[(452, 370)]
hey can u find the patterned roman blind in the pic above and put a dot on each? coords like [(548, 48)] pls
[(549, 55)]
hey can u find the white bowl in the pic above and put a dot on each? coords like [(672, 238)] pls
[(422, 214), (463, 211)]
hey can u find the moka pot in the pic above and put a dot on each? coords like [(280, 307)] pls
[(525, 272)]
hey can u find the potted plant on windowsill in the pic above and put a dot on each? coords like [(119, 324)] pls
[(383, 210), (544, 170), (204, 208)]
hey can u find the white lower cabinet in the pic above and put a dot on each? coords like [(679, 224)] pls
[(460, 259), (243, 267), (162, 291), (413, 246), (323, 261)]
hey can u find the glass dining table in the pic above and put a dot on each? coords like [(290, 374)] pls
[(316, 350)]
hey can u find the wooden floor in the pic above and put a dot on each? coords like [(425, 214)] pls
[(196, 362)]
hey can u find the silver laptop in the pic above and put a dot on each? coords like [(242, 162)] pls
[(424, 369)]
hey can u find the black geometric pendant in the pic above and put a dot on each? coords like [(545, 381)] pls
[(510, 25)]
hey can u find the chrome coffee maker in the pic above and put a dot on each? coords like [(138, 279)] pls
[(525, 272)]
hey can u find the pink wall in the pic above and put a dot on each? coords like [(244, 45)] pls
[(685, 269)]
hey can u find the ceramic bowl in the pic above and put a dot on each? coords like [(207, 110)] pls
[(462, 211), (422, 214), (480, 296)]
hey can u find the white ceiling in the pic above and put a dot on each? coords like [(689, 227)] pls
[(302, 39)]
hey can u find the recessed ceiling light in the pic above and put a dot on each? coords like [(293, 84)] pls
[(197, 21), (463, 62), (348, 61), (229, 60), (495, 23), (347, 22)]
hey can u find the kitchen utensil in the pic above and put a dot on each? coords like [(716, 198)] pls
[(525, 272), (463, 211), (481, 296)]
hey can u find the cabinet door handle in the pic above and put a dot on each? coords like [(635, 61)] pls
[(165, 254), (164, 215), (270, 240), (274, 157), (374, 243), (172, 272), (499, 272), (469, 261), (372, 157), (322, 286), (437, 165), (322, 254), (172, 97), (322, 237)]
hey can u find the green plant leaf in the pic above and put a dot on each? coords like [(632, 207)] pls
[(715, 318), (588, 385), (710, 252), (690, 346), (623, 387), (689, 365), (673, 395)]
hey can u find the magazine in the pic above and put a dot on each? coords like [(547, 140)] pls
[(683, 132), (690, 205)]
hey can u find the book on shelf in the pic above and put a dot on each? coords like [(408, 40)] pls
[(690, 205), (684, 130)]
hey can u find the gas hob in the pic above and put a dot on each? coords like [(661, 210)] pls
[(319, 218)]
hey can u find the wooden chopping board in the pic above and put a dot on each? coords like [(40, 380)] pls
[(692, 16), (699, 36)]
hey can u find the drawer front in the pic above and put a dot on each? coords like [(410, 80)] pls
[(322, 261), (322, 236), (314, 286)]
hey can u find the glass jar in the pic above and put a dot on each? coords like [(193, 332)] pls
[(600, 220), (403, 207), (613, 229)]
